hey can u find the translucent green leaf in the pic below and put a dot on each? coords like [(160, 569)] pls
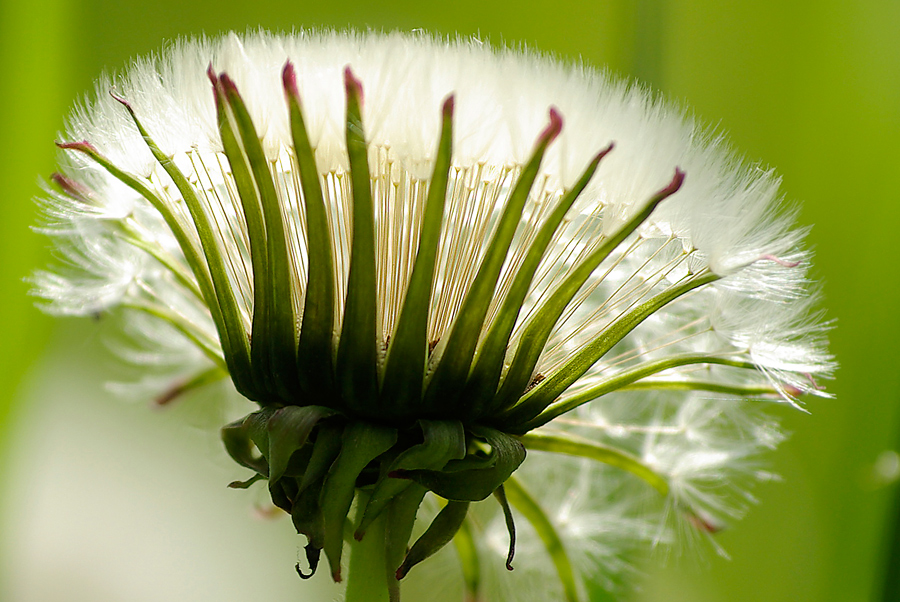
[(314, 349), (360, 444), (540, 326), (239, 445), (573, 445), (450, 375), (407, 354), (257, 427), (357, 354), (544, 393), (439, 533), (532, 511), (443, 441), (485, 375)]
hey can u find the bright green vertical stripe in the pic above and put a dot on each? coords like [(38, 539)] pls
[(35, 89), (33, 98)]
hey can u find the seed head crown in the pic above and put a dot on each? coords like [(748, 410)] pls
[(416, 280)]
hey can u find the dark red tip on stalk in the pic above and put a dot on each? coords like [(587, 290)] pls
[(228, 85), (352, 85), (702, 523), (599, 156), (289, 79), (83, 146), (674, 185), (70, 187), (554, 127), (120, 99), (448, 106), (780, 261), (211, 74)]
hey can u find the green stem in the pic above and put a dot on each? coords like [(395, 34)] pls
[(366, 577)]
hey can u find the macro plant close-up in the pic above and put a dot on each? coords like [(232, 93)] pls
[(466, 320), (414, 299)]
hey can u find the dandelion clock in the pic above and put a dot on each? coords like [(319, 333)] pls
[(466, 296)]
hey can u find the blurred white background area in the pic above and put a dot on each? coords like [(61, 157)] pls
[(112, 500)]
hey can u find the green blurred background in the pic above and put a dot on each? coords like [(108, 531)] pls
[(812, 88)]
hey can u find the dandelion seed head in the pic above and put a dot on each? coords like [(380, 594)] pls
[(261, 207)]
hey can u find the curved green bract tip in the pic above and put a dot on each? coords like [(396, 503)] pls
[(360, 444), (525, 503), (439, 533)]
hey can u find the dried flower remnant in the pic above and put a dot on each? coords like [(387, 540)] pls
[(420, 259)]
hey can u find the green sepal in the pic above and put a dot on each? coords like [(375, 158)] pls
[(306, 514), (401, 518), (289, 428), (475, 477), (573, 445), (450, 374), (532, 511), (544, 393), (220, 297), (277, 337), (485, 375), (360, 444), (467, 550), (314, 349), (357, 356), (439, 533), (256, 425), (324, 452), (238, 443), (256, 235), (443, 441), (283, 493), (408, 352), (628, 379), (536, 333), (756, 392)]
